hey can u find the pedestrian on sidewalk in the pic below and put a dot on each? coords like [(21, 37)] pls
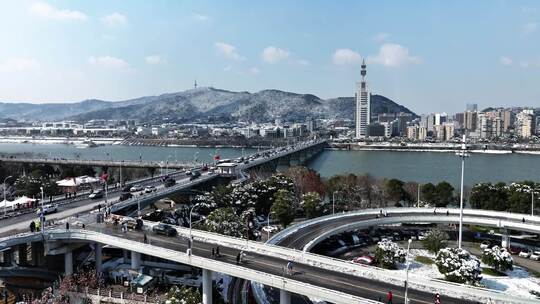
[(213, 252), (389, 297), (238, 258), (217, 251), (437, 298), (67, 225)]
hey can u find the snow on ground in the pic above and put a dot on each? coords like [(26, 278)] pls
[(518, 282)]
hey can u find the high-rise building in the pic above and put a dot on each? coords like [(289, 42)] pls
[(524, 124), (537, 125), (471, 120), (440, 118), (508, 120), (472, 107), (363, 105)]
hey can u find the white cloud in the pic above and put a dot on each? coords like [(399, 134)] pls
[(254, 71), (393, 55), (46, 10), (154, 59), (114, 20), (228, 50), (108, 62), (346, 57), (381, 37), (201, 17), (529, 28), (506, 60), (303, 62), (273, 54), (19, 64)]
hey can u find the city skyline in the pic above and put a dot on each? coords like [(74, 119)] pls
[(59, 51)]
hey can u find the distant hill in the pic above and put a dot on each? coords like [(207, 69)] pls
[(203, 105)]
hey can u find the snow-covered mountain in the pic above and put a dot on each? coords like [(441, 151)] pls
[(203, 105)]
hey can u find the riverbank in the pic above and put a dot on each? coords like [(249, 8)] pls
[(533, 149)]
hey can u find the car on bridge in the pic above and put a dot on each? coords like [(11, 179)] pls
[(136, 188), (96, 194), (47, 209), (125, 196), (149, 189), (364, 260), (195, 175), (165, 229), (169, 182), (525, 253)]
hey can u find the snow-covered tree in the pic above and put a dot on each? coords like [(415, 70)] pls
[(389, 253), (183, 295), (311, 202), (224, 221), (458, 265), (498, 258)]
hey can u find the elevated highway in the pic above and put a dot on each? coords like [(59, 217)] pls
[(356, 283)]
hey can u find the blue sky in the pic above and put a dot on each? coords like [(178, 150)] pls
[(427, 55)]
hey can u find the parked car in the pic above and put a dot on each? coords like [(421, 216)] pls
[(149, 189), (96, 194), (485, 245), (365, 260), (47, 209), (525, 253), (164, 229), (136, 188), (271, 228), (535, 255)]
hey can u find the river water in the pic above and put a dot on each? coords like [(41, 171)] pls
[(408, 166)]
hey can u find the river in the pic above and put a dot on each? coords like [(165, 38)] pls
[(408, 166)]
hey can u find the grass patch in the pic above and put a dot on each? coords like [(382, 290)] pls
[(534, 273), (493, 272), (424, 260)]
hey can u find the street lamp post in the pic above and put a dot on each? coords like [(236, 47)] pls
[(190, 212), (463, 154), (407, 272), (418, 196), (41, 215), (268, 225), (5, 207), (334, 201)]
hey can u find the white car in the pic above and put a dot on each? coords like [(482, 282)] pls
[(525, 253), (50, 208), (271, 228), (136, 188), (535, 256), (149, 189), (485, 245)]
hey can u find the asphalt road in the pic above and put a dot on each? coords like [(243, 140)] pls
[(21, 223), (334, 280)]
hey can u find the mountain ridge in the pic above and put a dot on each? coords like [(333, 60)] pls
[(202, 104)]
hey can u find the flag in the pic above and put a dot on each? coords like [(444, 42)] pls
[(217, 157), (105, 176)]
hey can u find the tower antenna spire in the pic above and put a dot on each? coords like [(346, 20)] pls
[(195, 85)]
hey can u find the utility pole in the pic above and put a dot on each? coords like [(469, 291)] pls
[(463, 154)]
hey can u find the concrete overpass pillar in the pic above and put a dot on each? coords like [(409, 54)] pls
[(23, 254), (505, 242), (125, 255), (98, 248), (68, 262), (284, 297), (8, 256), (38, 252), (135, 260), (207, 286)]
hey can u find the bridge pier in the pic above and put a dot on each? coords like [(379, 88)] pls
[(98, 248), (38, 253), (505, 242), (125, 255), (284, 297), (68, 262), (8, 256), (207, 286), (135, 260), (23, 254)]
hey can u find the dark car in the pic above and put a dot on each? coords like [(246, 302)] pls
[(194, 175), (165, 229), (126, 188), (125, 196), (169, 182)]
